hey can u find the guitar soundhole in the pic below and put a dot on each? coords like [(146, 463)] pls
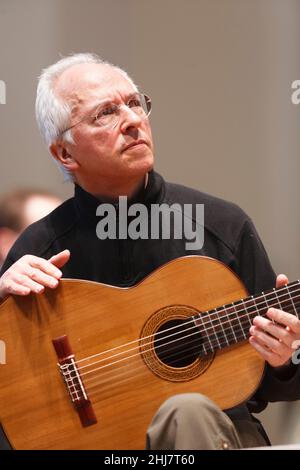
[(171, 345), (177, 343)]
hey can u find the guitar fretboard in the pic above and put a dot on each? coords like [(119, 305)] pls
[(230, 323)]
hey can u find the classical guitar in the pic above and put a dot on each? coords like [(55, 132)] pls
[(87, 365)]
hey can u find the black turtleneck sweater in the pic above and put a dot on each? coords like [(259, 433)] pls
[(229, 236)]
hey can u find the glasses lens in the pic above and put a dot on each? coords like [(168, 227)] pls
[(106, 115), (146, 103), (140, 104), (109, 114)]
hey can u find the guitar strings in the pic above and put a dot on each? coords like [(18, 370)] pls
[(92, 385), (205, 330), (214, 345), (137, 355), (127, 372), (93, 388), (219, 311), (172, 355)]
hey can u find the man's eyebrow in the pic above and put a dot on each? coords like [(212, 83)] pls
[(95, 106)]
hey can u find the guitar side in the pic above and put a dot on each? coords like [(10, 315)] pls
[(35, 407)]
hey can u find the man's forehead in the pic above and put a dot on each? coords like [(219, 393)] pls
[(82, 81)]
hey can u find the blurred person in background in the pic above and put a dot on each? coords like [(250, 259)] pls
[(19, 209)]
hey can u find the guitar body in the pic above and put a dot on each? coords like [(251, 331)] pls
[(110, 331)]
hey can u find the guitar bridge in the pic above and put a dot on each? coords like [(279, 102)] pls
[(75, 387)]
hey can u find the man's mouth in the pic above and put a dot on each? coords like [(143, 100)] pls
[(134, 144)]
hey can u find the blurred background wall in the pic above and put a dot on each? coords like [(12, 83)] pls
[(219, 73)]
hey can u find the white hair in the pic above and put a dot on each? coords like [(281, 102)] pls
[(53, 114)]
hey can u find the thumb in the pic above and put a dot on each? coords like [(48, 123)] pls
[(60, 259), (281, 280)]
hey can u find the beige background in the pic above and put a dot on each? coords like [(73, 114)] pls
[(219, 73)]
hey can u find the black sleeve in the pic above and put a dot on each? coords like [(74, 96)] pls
[(254, 268), (252, 262)]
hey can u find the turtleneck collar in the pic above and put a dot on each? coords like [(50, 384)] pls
[(86, 204)]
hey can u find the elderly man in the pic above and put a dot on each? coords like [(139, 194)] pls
[(95, 123)]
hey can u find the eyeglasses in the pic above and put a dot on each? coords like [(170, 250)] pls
[(108, 114)]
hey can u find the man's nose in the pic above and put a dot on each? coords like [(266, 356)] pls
[(129, 119)]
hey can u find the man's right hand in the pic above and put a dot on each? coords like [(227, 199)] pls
[(32, 274)]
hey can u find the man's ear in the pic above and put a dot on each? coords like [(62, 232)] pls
[(63, 156)]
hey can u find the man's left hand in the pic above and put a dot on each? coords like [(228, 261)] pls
[(275, 338)]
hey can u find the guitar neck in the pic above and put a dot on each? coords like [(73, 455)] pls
[(230, 323)]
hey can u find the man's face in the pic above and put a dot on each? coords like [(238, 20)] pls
[(101, 157)]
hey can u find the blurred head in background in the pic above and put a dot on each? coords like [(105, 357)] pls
[(20, 208)]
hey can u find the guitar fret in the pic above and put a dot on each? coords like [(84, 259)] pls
[(203, 345), (292, 302), (286, 301), (230, 323), (248, 317), (223, 318), (275, 292), (295, 304), (204, 330), (231, 326), (238, 317), (222, 314), (214, 331), (267, 303), (224, 334), (273, 301), (283, 301)]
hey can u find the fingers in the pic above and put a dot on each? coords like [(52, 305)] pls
[(37, 277), (276, 331), (60, 259), (32, 274), (271, 343), (14, 288), (285, 319), (281, 280), (275, 339), (273, 359), (23, 281), (41, 265)]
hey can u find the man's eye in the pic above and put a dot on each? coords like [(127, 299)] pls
[(134, 103), (107, 111)]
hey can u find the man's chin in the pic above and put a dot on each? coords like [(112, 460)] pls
[(142, 167), (143, 160)]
